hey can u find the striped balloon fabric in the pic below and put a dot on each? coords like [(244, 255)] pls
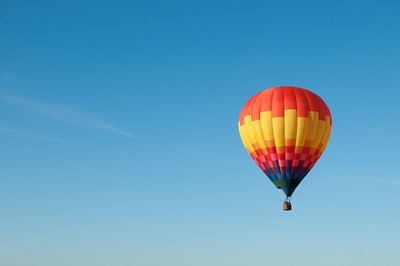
[(285, 130)]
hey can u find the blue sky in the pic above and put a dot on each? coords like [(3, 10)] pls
[(119, 142)]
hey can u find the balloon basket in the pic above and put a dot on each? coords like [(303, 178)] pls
[(287, 206)]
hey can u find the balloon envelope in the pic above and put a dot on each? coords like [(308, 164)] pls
[(285, 130)]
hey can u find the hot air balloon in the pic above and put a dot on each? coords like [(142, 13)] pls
[(285, 130)]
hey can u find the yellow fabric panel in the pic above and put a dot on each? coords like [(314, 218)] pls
[(278, 128), (302, 124), (321, 126), (279, 131), (312, 127), (245, 139), (325, 137), (290, 124), (256, 125), (242, 136), (327, 133), (248, 130), (266, 125)]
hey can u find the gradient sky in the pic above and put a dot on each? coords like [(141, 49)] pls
[(119, 142)]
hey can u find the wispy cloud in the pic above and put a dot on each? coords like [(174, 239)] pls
[(65, 114)]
